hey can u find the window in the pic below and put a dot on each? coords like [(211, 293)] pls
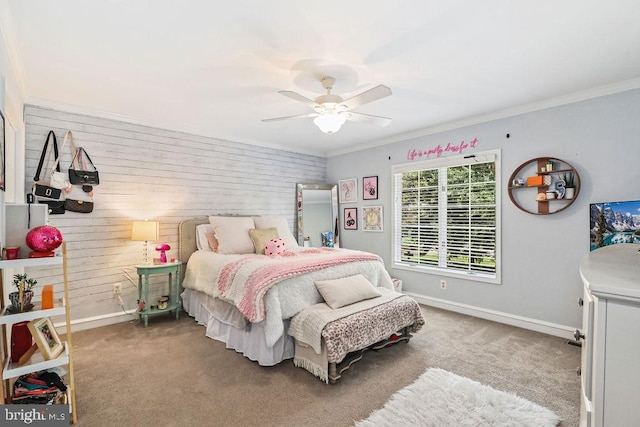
[(447, 216)]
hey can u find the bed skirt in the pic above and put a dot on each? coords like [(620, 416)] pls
[(250, 340)]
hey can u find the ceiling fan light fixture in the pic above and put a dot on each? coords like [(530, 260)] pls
[(330, 122), (331, 111)]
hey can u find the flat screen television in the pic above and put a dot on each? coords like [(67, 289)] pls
[(614, 222)]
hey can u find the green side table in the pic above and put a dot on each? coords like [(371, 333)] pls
[(146, 270)]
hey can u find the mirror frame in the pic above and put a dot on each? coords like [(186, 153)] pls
[(299, 204)]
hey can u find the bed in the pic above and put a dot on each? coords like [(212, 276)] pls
[(254, 320)]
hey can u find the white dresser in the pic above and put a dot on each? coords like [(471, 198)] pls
[(611, 331)]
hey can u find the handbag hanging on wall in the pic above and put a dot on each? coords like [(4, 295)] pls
[(79, 206), (60, 179), (83, 175), (43, 190), (80, 196), (80, 199)]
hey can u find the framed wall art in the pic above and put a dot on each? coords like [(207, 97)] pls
[(348, 190), (350, 218), (370, 188), (612, 223), (372, 218), (45, 336)]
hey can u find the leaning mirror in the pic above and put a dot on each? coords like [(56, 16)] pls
[(317, 213)]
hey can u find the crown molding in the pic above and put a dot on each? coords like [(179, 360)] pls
[(584, 95)]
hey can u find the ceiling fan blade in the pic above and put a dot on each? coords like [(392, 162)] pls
[(367, 96), (368, 118), (297, 97), (299, 116)]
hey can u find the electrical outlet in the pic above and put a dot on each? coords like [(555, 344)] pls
[(117, 288), (443, 284)]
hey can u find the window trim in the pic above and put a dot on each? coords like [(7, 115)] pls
[(485, 156)]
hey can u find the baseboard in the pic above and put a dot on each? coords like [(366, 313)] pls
[(97, 321), (548, 328), (482, 313)]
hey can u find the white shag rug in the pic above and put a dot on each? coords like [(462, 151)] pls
[(440, 398)]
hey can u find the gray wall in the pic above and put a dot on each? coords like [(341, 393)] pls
[(155, 174), (540, 254)]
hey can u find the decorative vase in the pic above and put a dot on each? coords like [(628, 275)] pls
[(569, 193), (44, 238), (14, 297)]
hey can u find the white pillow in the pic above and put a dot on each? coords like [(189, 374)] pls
[(232, 233), (201, 240), (280, 223), (348, 290)]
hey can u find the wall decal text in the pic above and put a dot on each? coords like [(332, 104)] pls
[(438, 150)]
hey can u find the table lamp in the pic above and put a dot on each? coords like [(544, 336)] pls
[(144, 231)]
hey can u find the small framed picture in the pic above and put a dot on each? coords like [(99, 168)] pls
[(370, 188), (348, 190), (350, 218), (326, 239), (372, 218), (45, 336)]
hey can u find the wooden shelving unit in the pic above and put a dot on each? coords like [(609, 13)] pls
[(532, 199), (37, 362)]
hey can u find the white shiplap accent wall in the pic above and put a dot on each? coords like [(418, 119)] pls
[(155, 174)]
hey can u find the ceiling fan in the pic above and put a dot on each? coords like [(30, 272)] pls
[(331, 111)]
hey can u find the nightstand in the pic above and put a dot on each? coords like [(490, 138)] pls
[(146, 270)]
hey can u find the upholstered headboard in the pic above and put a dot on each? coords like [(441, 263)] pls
[(187, 237)]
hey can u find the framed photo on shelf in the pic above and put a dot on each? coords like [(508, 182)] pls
[(46, 337), (370, 188), (348, 190), (372, 218), (350, 218)]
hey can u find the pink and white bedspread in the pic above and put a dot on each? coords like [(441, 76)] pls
[(273, 288)]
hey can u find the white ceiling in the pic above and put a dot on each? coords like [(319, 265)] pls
[(214, 68)]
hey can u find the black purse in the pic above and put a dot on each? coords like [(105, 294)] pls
[(83, 176), (43, 188), (55, 207)]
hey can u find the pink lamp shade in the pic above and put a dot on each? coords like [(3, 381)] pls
[(44, 240), (163, 248)]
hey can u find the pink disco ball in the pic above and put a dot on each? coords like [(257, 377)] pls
[(44, 238)]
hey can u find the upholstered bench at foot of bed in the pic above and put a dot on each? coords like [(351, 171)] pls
[(345, 340)]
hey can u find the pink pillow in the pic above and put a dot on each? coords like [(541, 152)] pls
[(213, 242), (274, 247)]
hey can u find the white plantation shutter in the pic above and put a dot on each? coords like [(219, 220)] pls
[(446, 216)]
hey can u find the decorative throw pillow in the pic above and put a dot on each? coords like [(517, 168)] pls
[(232, 233), (201, 236), (261, 237), (274, 247), (280, 223), (348, 290), (211, 239)]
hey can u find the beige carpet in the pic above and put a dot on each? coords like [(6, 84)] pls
[(170, 374)]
